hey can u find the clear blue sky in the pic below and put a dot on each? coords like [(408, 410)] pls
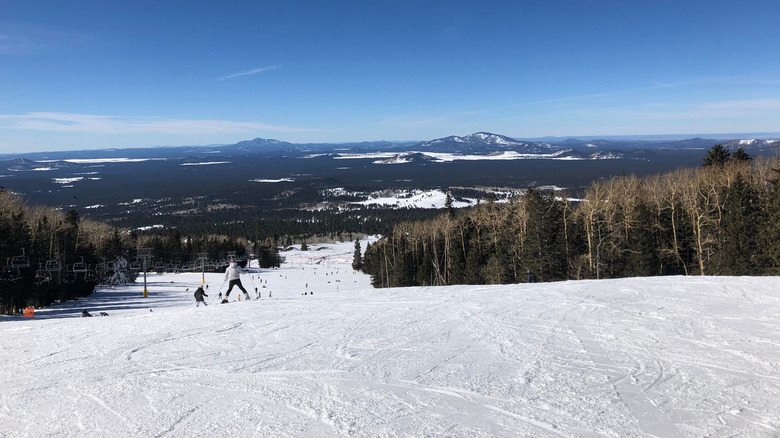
[(104, 73)]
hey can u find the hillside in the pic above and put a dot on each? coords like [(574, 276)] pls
[(666, 356)]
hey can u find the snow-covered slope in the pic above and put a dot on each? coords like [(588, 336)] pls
[(668, 356)]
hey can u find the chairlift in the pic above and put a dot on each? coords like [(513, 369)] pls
[(80, 266), (20, 261), (136, 266), (91, 276), (41, 275), (53, 265), (101, 268), (69, 276), (10, 272)]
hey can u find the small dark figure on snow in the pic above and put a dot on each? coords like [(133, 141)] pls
[(531, 277), (85, 314), (233, 274), (103, 314), (199, 294)]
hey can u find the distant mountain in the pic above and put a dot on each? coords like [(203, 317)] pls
[(752, 145), (693, 143), (483, 143), (478, 144)]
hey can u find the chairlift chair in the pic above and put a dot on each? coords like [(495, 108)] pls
[(80, 266), (90, 276), (41, 275), (20, 261), (53, 265), (69, 276), (10, 272)]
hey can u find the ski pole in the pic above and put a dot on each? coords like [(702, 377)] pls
[(253, 282), (218, 291)]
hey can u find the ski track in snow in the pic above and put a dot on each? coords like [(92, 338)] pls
[(651, 357)]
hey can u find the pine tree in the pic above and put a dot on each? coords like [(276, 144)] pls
[(740, 155), (448, 205), (357, 260), (717, 156), (739, 231)]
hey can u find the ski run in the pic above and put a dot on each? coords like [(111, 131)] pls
[(636, 357)]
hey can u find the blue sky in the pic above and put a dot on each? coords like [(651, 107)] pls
[(96, 74)]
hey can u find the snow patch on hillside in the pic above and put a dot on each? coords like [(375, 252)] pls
[(67, 180), (207, 163), (261, 180), (415, 199), (102, 160)]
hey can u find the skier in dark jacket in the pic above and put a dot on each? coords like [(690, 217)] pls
[(199, 294), (531, 277)]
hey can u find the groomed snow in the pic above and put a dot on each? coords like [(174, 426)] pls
[(667, 356)]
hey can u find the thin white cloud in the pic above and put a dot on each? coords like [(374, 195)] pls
[(24, 39), (254, 71), (15, 44), (67, 122)]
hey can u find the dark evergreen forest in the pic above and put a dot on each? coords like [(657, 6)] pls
[(720, 219)]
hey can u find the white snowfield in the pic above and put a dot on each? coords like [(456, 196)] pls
[(650, 357)]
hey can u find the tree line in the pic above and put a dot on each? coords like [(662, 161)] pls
[(720, 219), (47, 255)]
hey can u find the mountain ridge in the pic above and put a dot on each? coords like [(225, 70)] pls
[(479, 143)]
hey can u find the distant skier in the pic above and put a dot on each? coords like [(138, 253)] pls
[(85, 314), (531, 277), (199, 294), (233, 274)]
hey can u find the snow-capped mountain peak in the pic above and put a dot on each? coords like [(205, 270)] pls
[(484, 143)]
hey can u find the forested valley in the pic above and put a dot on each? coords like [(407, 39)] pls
[(719, 219)]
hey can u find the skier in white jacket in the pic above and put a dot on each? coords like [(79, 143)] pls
[(233, 274)]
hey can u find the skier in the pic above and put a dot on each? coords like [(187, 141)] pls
[(199, 294), (531, 277), (233, 274), (84, 313)]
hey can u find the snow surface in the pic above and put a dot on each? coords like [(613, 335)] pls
[(443, 157), (665, 357), (207, 163), (416, 199), (102, 160), (260, 180), (67, 180)]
